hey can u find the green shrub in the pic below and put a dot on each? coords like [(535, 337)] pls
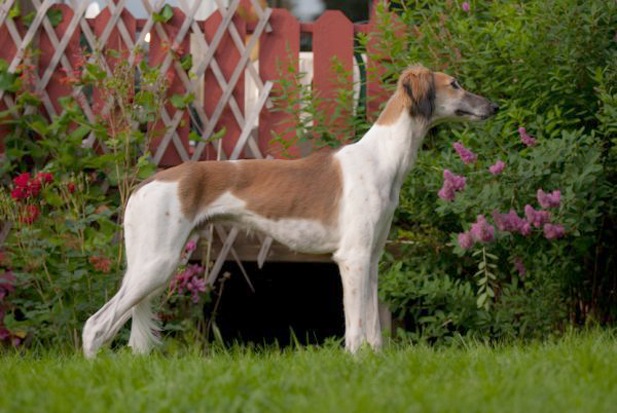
[(63, 200)]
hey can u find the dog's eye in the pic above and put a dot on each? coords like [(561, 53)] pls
[(455, 85)]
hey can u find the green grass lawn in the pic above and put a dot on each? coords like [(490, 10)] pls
[(575, 373)]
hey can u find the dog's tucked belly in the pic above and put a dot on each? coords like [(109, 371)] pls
[(299, 234), (302, 235)]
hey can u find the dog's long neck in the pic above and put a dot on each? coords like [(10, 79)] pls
[(396, 144)]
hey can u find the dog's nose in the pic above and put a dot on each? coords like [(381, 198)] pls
[(494, 107)]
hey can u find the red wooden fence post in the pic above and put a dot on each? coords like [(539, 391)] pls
[(376, 93), (278, 50), (333, 37)]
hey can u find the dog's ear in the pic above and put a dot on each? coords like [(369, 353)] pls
[(418, 84)]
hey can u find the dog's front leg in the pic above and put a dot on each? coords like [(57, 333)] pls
[(373, 325), (355, 276)]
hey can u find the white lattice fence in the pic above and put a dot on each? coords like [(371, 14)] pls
[(219, 70), (223, 48)]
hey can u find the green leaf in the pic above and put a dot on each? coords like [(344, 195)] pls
[(177, 101), (39, 127), (146, 171), (79, 133), (28, 19), (180, 101), (481, 299), (95, 72), (53, 199), (15, 11), (29, 99), (8, 81), (218, 134), (165, 15), (186, 62), (54, 16)]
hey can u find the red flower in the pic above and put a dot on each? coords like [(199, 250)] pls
[(100, 263), (21, 181), (30, 214), (44, 177), (19, 193), (25, 187), (34, 187), (71, 187)]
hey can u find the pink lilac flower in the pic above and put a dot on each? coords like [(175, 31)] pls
[(552, 231), (537, 218), (520, 267), (197, 286), (190, 246), (549, 200), (6, 285), (511, 222), (481, 231), (4, 334), (525, 138), (466, 7), (190, 280), (526, 229), (465, 240), (451, 184), (497, 168), (466, 155)]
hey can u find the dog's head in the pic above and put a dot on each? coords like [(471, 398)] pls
[(435, 97)]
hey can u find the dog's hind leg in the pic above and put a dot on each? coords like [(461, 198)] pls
[(144, 325), (155, 233)]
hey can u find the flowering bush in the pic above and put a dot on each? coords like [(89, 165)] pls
[(60, 252), (526, 227), (504, 227), (62, 200)]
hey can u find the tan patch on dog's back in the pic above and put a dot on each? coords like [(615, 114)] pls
[(307, 188)]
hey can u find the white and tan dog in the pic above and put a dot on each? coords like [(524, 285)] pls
[(340, 202)]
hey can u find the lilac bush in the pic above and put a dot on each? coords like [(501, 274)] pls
[(506, 227)]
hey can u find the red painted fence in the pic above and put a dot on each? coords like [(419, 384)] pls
[(223, 77)]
